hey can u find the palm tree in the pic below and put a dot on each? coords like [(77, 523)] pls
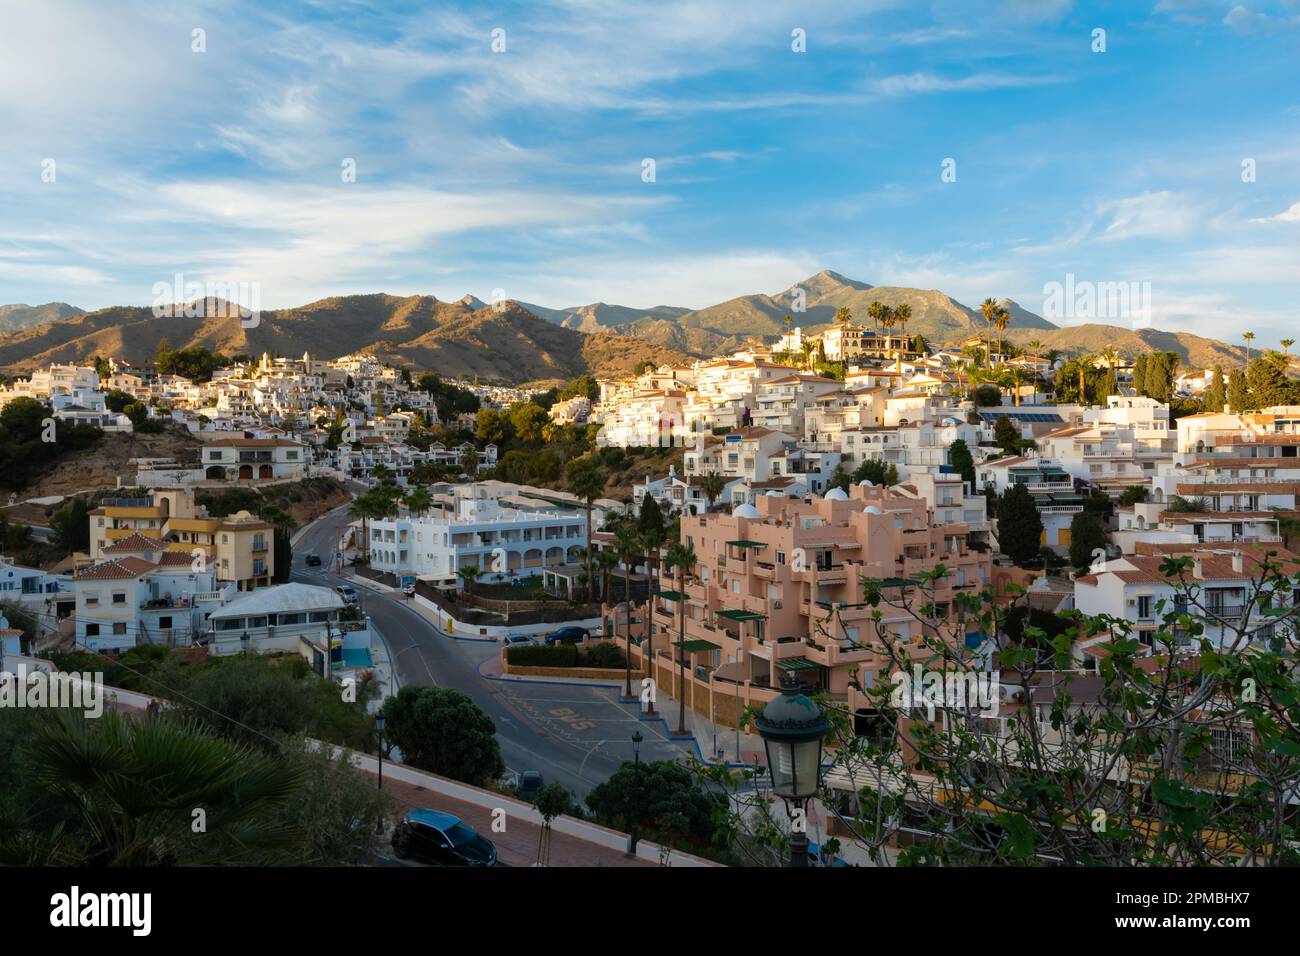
[(902, 315), (992, 315), (586, 480), (843, 316), (1286, 348), (1249, 337), (364, 508), (888, 318), (682, 557), (419, 501), (712, 485), (1001, 319), (651, 542), (125, 789), (605, 561), (875, 311), (381, 473), (625, 541), (468, 573), (807, 349)]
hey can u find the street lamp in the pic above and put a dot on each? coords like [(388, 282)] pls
[(793, 728), (635, 835), (379, 813)]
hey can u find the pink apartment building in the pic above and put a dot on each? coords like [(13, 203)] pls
[(779, 585)]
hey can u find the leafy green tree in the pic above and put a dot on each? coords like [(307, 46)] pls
[(527, 419), (1020, 529), (1239, 397), (640, 797), (1214, 397), (1267, 380), (441, 730), (1006, 435), (1086, 536), (71, 526), (876, 471), (961, 461), (1133, 494)]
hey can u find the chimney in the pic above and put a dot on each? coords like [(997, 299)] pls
[(1237, 563), (1198, 569)]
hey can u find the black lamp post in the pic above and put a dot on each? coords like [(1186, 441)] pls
[(379, 813), (635, 835), (793, 728), (243, 642)]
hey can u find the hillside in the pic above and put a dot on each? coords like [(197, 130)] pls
[(451, 338), (1193, 350), (25, 316), (730, 324)]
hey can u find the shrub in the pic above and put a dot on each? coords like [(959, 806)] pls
[(543, 655), (605, 655)]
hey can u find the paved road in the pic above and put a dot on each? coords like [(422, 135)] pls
[(575, 735)]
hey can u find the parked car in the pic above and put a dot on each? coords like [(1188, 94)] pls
[(313, 560), (441, 839), (348, 594), (567, 635), (512, 640), (530, 785)]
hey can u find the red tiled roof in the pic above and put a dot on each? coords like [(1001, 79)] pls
[(135, 544), (117, 570)]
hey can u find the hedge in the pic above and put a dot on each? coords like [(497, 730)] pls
[(543, 655)]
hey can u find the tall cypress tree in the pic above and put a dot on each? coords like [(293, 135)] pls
[(1020, 529), (1214, 397)]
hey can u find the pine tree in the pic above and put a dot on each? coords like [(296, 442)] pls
[(1239, 398), (1020, 529), (1213, 398), (959, 457), (1086, 536)]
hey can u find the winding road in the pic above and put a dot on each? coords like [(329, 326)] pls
[(576, 735)]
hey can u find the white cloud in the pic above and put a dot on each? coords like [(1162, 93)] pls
[(922, 82), (1157, 215), (1290, 214)]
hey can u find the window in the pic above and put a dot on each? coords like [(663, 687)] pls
[(92, 599), (165, 623), (119, 628), (119, 597), (1144, 607), (92, 630)]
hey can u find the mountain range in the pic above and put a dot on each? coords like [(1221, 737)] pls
[(519, 342)]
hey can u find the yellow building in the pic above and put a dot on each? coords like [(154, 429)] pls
[(241, 546)]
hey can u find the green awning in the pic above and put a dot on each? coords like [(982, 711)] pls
[(745, 543), (742, 615), (692, 647), (671, 595), (797, 664)]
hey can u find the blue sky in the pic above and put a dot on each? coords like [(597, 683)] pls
[(522, 170)]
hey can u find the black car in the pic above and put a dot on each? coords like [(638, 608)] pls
[(530, 785), (567, 635), (313, 560), (441, 839)]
